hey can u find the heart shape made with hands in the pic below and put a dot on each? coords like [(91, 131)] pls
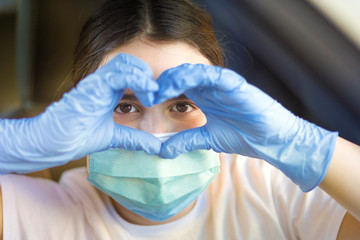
[(167, 92), (241, 119), (235, 111), (238, 114)]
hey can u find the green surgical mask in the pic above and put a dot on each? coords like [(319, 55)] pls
[(150, 186)]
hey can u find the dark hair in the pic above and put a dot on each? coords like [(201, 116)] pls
[(118, 21)]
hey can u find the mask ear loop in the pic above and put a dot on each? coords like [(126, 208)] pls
[(87, 163)]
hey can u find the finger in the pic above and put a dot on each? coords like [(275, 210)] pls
[(178, 80), (114, 80), (133, 61), (134, 80), (125, 64), (185, 141), (128, 65), (135, 140), (143, 88), (122, 72), (109, 92)]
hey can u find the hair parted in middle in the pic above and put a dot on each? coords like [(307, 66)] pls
[(118, 21)]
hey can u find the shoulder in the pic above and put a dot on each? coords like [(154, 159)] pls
[(34, 193), (44, 188), (21, 185), (269, 198), (35, 207)]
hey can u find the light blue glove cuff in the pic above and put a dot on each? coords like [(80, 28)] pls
[(311, 154), (304, 157)]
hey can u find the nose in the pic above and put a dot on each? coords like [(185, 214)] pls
[(154, 122)]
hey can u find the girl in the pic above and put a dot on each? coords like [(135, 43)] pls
[(150, 67)]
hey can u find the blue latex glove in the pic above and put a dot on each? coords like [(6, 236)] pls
[(81, 122), (244, 120)]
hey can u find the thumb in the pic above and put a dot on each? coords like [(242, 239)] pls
[(185, 141), (135, 140)]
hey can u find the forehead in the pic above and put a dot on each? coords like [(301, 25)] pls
[(160, 56)]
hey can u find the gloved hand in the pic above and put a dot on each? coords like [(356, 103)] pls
[(81, 122), (244, 120)]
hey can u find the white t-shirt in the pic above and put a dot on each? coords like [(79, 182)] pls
[(249, 199)]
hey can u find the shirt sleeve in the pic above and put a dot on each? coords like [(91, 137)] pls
[(35, 208)]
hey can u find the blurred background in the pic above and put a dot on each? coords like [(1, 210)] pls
[(304, 53)]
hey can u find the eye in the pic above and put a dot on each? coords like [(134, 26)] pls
[(125, 108), (182, 107)]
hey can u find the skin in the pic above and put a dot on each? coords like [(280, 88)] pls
[(341, 182)]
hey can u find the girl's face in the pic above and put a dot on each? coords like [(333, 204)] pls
[(173, 115)]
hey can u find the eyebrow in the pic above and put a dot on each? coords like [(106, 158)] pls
[(132, 97), (179, 98), (129, 97)]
